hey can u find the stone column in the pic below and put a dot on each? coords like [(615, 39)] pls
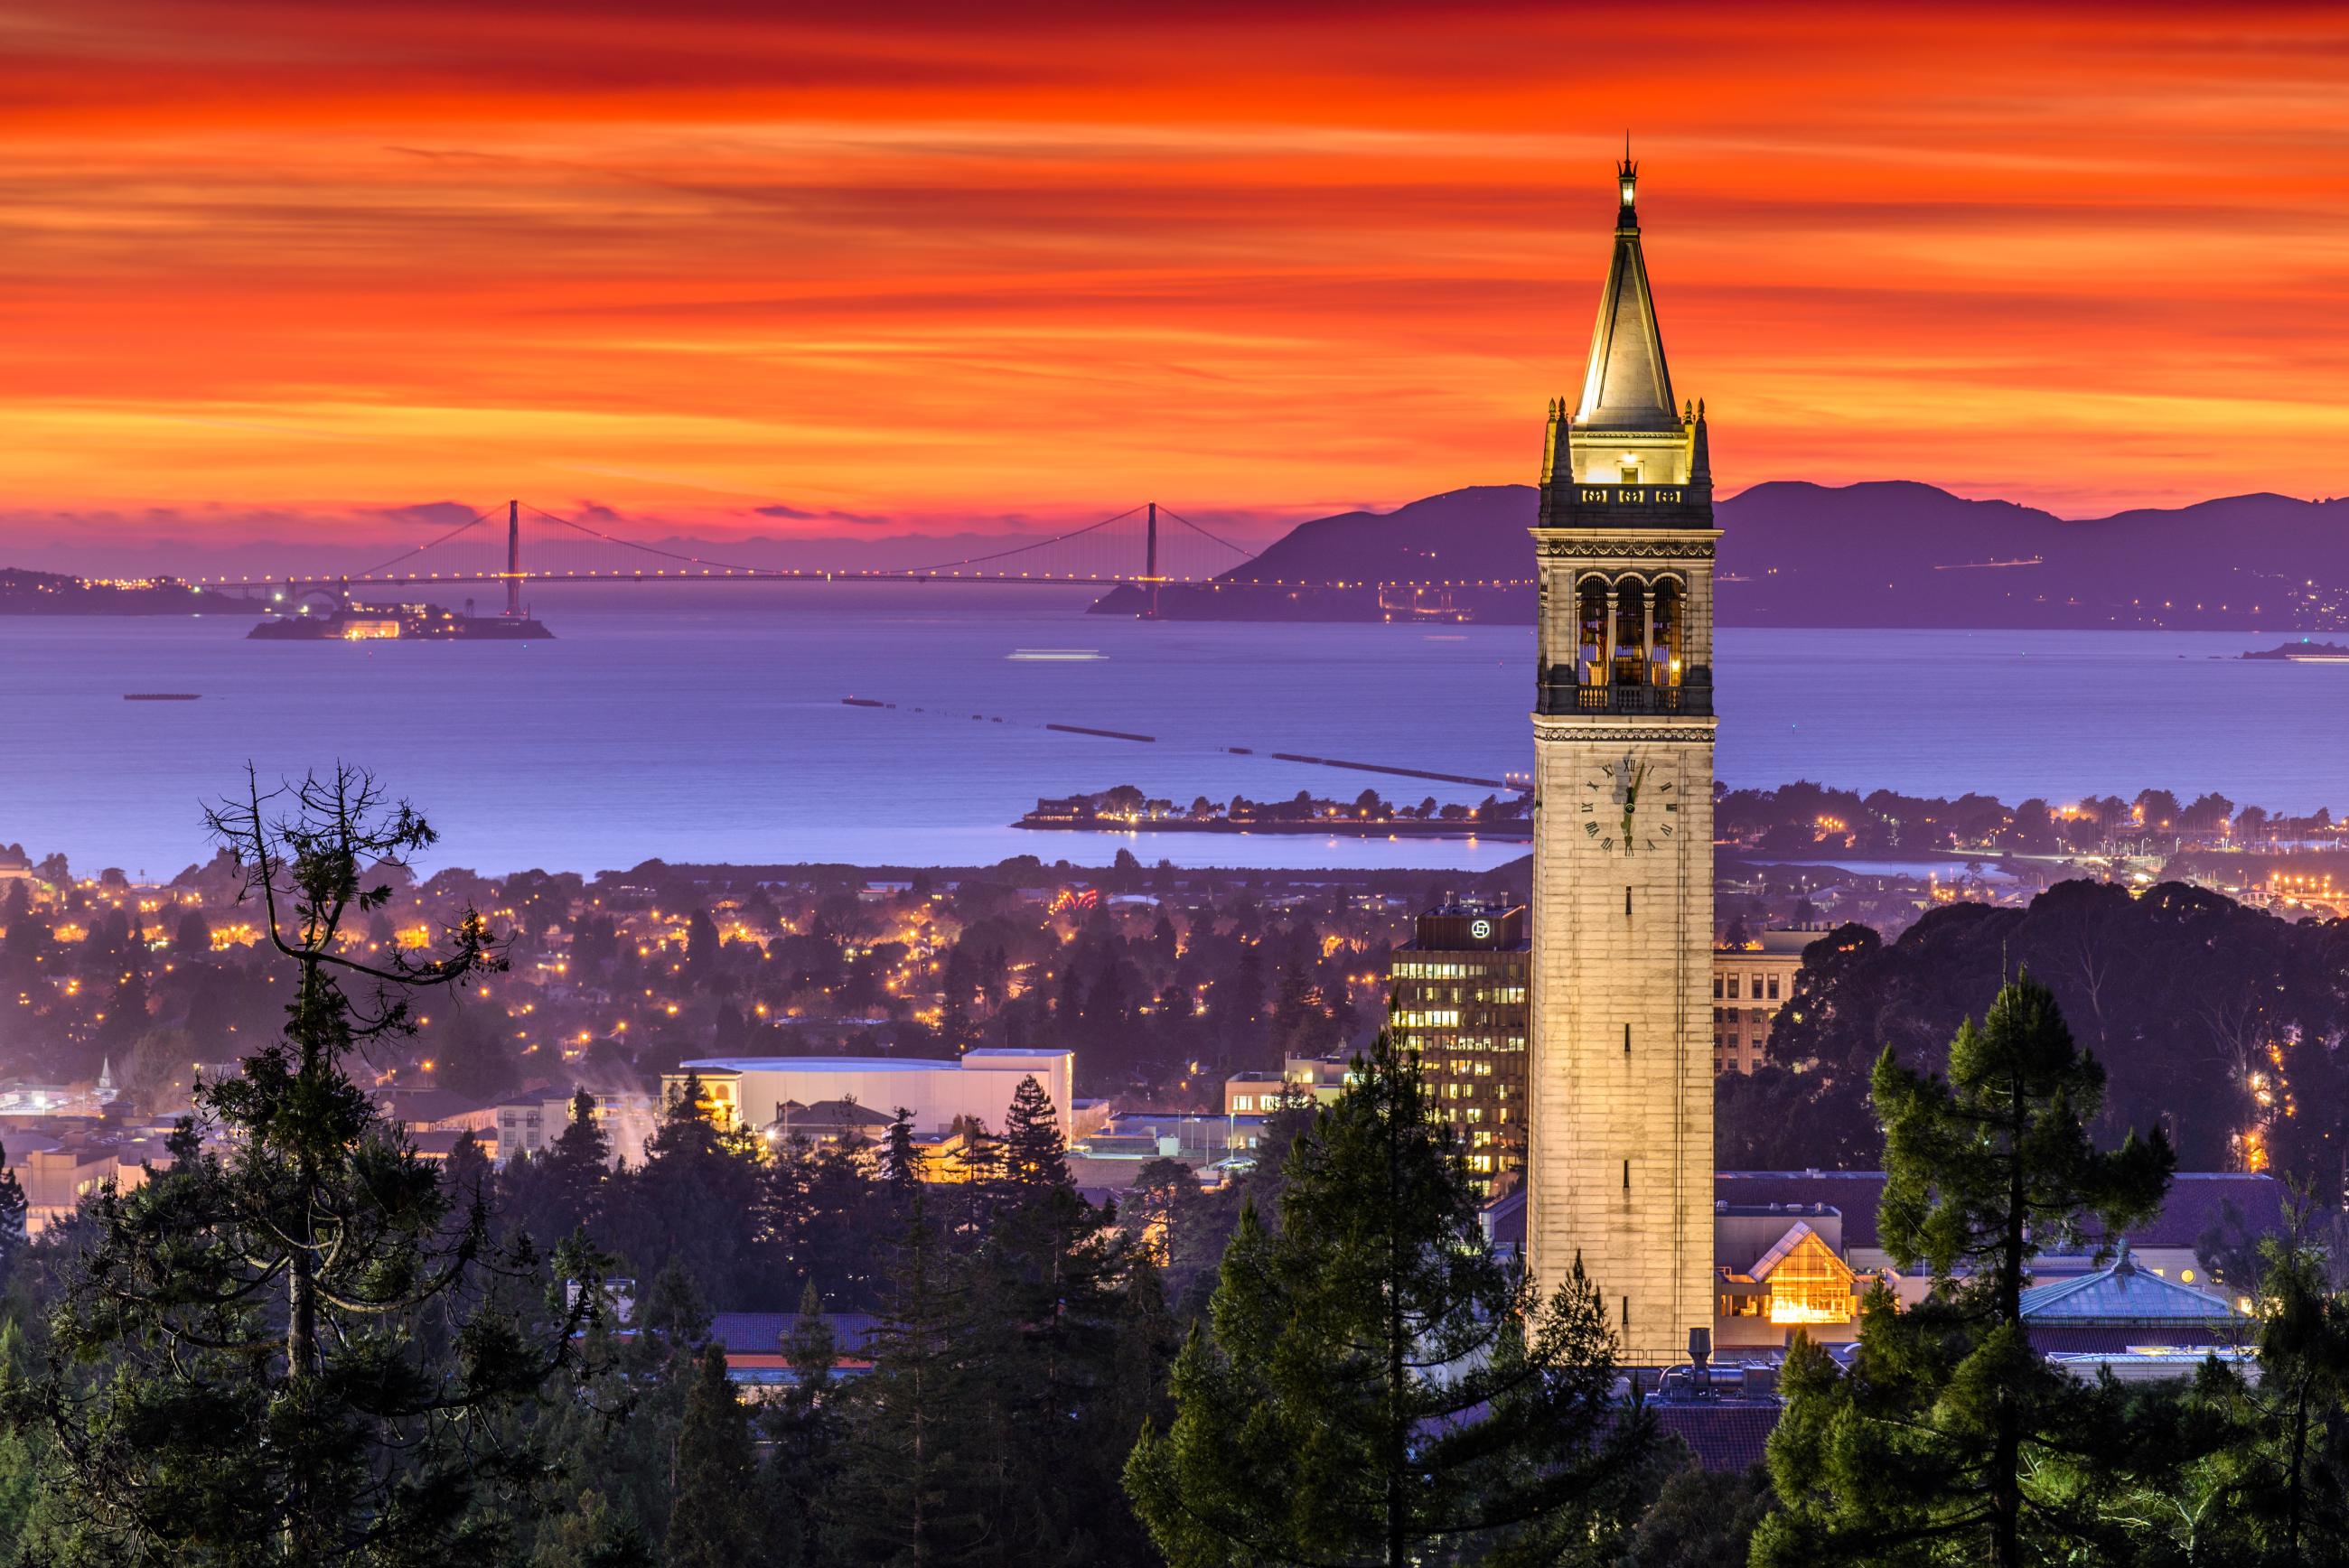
[(1607, 649)]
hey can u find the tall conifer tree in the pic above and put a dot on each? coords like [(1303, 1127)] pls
[(900, 1164), (14, 1207), (247, 1356), (1951, 1440), (804, 1428), (916, 1481), (1035, 1155), (1049, 1319), (713, 1520), (1375, 1385)]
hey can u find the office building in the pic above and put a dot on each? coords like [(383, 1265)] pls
[(1459, 1004)]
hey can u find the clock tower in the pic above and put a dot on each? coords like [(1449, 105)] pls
[(1620, 1156)]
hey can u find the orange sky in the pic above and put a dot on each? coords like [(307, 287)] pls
[(266, 264)]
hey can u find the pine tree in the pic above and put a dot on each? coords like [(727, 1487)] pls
[(578, 1164), (804, 1426), (1376, 1386), (810, 1350), (979, 1160), (14, 1207), (1034, 1153), (832, 1232), (21, 1462), (673, 1308), (1933, 1443), (2290, 1494), (1047, 1317), (697, 1198), (594, 1534), (249, 1356), (467, 1176), (915, 1483), (902, 1166), (713, 1520)]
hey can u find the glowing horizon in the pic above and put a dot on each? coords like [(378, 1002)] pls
[(928, 270)]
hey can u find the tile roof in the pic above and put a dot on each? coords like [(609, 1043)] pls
[(1724, 1436)]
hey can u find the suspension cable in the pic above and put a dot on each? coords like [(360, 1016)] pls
[(1238, 550), (420, 549), (1023, 549), (640, 544)]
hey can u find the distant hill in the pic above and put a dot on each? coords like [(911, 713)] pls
[(1889, 553)]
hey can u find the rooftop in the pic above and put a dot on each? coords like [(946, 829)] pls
[(1726, 1436), (987, 1057), (2122, 1293), (817, 1064)]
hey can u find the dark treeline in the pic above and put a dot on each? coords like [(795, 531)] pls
[(2221, 1023)]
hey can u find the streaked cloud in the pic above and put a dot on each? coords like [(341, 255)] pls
[(926, 263)]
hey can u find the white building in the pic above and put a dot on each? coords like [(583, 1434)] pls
[(532, 1126), (752, 1090)]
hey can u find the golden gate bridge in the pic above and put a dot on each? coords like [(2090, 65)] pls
[(1130, 547)]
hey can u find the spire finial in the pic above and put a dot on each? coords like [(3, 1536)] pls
[(1627, 177)]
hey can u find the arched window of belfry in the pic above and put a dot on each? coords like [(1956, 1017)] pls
[(1667, 609), (1590, 632), (1630, 631)]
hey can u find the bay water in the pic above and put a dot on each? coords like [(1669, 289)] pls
[(706, 724)]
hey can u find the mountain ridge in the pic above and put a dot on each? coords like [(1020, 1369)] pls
[(1878, 553)]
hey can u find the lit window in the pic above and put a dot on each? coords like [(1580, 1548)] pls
[(1808, 1283)]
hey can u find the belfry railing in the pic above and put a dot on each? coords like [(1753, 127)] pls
[(1623, 699)]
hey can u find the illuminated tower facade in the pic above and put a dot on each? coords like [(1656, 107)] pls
[(1619, 1157)]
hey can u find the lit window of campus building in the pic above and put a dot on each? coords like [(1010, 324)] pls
[(1459, 1005)]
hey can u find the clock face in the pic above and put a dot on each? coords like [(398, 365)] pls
[(1628, 806)]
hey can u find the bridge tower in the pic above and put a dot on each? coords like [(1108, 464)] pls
[(513, 560), (1149, 564), (1619, 1075)]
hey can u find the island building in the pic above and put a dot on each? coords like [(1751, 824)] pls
[(1458, 1005), (1750, 985), (752, 1091), (1620, 1152)]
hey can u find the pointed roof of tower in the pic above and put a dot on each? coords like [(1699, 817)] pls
[(1627, 386)]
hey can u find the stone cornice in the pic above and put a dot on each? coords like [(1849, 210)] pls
[(1620, 548), (1613, 728)]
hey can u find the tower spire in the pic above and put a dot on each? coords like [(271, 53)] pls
[(1627, 384)]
